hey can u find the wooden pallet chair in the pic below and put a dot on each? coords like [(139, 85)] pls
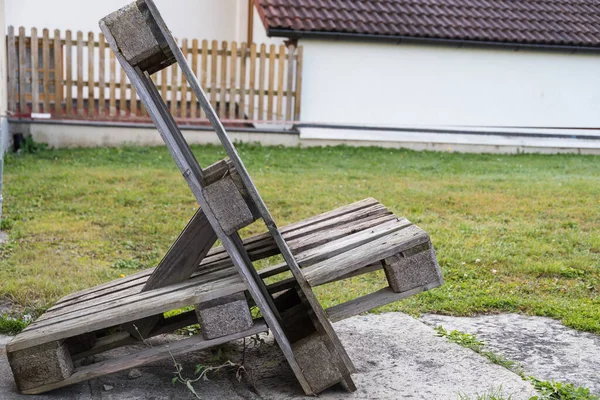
[(221, 282)]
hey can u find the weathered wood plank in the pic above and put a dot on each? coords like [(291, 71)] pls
[(101, 76), (58, 74), (371, 301), (114, 313), (204, 72), (214, 57), (184, 89), (194, 102), (261, 83), (156, 353), (271, 91), (69, 73), (232, 80), (252, 82), (35, 75), (22, 72), (13, 71), (112, 86), (174, 84), (242, 102), (185, 255), (333, 247), (80, 110), (122, 93), (223, 86), (280, 75), (91, 78), (290, 83), (298, 96), (46, 69), (358, 257)]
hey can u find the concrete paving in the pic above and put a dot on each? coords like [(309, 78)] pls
[(397, 357), (545, 348)]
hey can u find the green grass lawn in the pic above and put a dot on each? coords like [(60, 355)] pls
[(513, 233)]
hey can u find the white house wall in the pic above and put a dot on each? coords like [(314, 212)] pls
[(426, 88), (200, 19)]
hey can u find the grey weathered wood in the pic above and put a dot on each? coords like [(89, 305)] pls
[(371, 301), (12, 70), (156, 353), (191, 170), (361, 256), (185, 255), (35, 75), (22, 72), (115, 313)]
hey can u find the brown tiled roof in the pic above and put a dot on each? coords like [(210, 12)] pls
[(538, 22)]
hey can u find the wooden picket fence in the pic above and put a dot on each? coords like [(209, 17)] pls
[(79, 78)]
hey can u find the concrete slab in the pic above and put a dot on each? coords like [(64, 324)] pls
[(545, 348), (396, 356)]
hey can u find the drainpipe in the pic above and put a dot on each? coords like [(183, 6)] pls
[(3, 97)]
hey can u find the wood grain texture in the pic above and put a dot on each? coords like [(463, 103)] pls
[(13, 69), (46, 70), (58, 73), (184, 89), (69, 74), (22, 72), (91, 83), (252, 82), (232, 81), (148, 355), (80, 104), (35, 75), (101, 76), (280, 80), (298, 96)]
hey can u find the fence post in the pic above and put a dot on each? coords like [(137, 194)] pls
[(35, 75), (58, 74), (12, 70), (298, 83)]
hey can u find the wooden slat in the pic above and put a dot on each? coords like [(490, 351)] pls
[(242, 101), (261, 83), (298, 96), (58, 74), (13, 71), (91, 78), (174, 83), (101, 76), (148, 355), (271, 91), (213, 74), (280, 80), (366, 208), (204, 71), (290, 83), (233, 81), (35, 76), (133, 102), (123, 93), (112, 85), (114, 313), (194, 102), (343, 243), (361, 256), (223, 85), (184, 91), (163, 84), (69, 73), (371, 301), (46, 69), (22, 72), (252, 81), (80, 111)]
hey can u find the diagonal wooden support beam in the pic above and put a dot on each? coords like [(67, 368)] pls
[(177, 265)]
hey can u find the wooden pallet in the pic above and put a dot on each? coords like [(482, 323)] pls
[(340, 244), (221, 283)]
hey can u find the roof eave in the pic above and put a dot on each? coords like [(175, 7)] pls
[(293, 34)]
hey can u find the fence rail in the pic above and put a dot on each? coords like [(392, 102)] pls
[(77, 77)]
